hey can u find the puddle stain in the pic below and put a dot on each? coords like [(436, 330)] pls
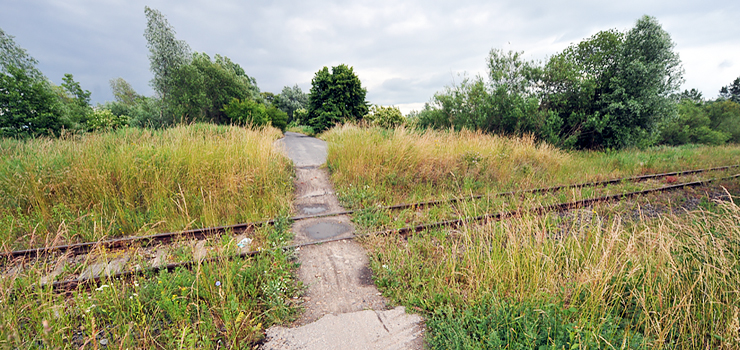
[(314, 209), (325, 230)]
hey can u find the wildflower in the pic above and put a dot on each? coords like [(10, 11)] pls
[(218, 283)]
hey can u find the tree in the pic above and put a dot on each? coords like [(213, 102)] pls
[(12, 55), (201, 88), (291, 99), (335, 97), (123, 92), (648, 75), (166, 53), (731, 92), (28, 107), (692, 95)]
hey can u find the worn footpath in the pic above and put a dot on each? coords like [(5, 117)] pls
[(343, 308)]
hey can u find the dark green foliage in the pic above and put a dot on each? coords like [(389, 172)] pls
[(725, 117), (712, 123), (731, 92), (611, 90), (247, 112), (201, 88), (691, 126), (492, 324), (335, 97), (28, 106), (692, 95), (278, 118), (75, 102)]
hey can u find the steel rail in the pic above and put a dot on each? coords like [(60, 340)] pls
[(68, 285), (79, 248)]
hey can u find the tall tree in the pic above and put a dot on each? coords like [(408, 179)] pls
[(13, 55), (335, 97), (291, 99), (123, 92), (648, 77), (731, 92), (166, 53)]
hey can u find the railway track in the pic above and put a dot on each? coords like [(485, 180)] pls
[(160, 238), (71, 284)]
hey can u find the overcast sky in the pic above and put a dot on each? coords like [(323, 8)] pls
[(402, 51)]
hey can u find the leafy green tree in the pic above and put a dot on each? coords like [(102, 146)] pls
[(648, 75), (201, 88), (247, 112), (28, 107), (385, 117), (291, 99), (123, 92), (278, 118), (692, 95), (335, 97), (76, 101), (12, 55), (731, 92), (166, 52), (724, 116), (692, 125)]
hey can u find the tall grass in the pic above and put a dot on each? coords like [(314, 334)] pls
[(137, 181), (601, 277), (671, 282), (374, 165)]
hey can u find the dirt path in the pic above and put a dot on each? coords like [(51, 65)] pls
[(343, 308)]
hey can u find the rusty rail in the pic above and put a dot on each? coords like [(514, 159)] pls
[(68, 285), (79, 248)]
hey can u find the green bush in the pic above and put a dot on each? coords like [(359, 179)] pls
[(104, 119), (385, 117), (691, 126), (278, 118), (246, 112)]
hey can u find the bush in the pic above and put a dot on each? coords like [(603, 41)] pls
[(246, 112), (278, 118), (104, 119), (691, 126), (385, 117)]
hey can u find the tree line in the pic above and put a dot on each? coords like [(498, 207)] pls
[(613, 90)]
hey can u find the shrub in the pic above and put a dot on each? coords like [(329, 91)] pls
[(246, 112), (385, 117), (104, 119)]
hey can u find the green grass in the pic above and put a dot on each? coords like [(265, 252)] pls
[(137, 181), (133, 182), (373, 166), (222, 304), (600, 277)]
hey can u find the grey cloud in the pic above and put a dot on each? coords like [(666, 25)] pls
[(402, 51)]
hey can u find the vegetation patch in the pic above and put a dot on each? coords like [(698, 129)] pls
[(136, 182)]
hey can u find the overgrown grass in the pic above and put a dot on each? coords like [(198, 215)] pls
[(137, 181), (602, 277), (222, 304), (372, 165)]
